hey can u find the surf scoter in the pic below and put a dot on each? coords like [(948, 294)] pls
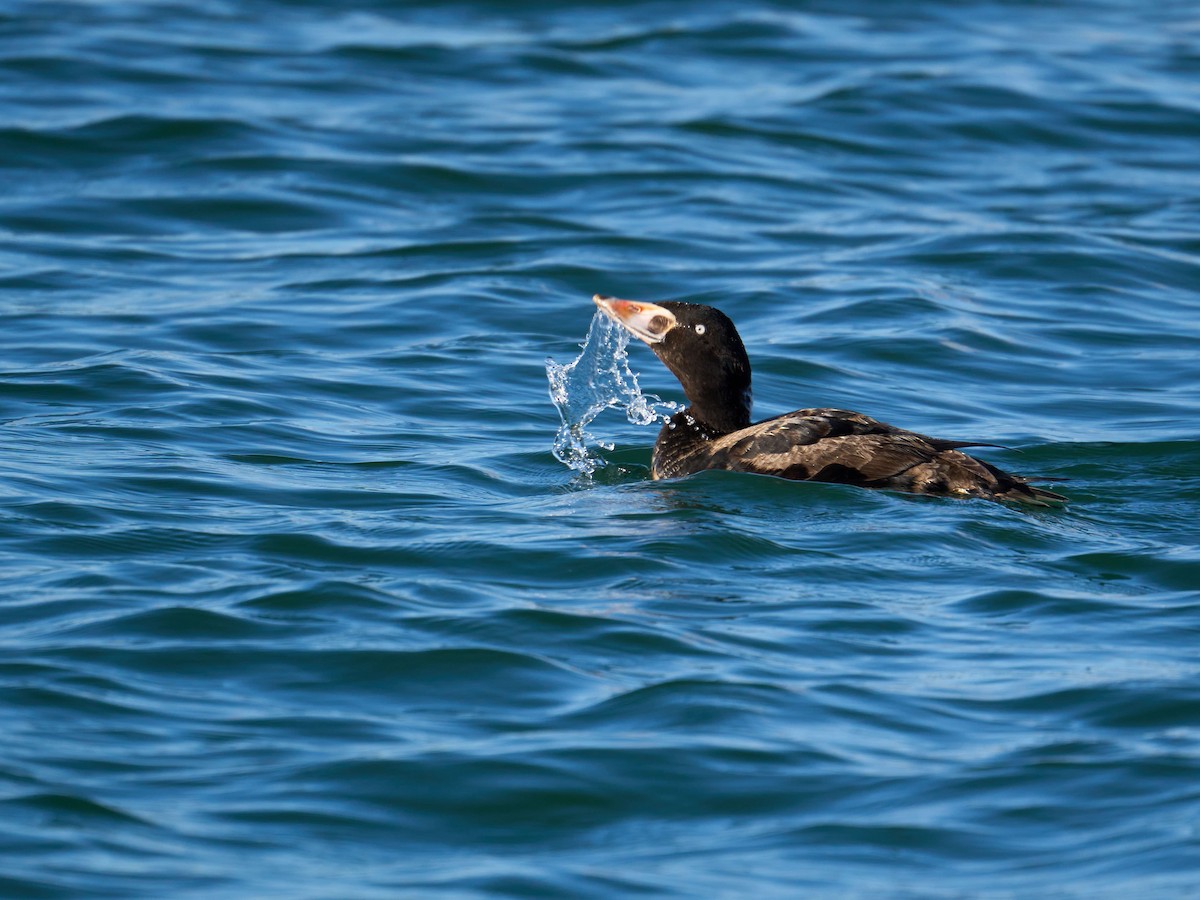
[(704, 351)]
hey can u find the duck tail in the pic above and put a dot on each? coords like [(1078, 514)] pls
[(1031, 495)]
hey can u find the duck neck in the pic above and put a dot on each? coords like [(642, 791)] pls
[(721, 413)]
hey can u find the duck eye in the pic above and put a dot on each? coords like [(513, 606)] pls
[(657, 324), (700, 329)]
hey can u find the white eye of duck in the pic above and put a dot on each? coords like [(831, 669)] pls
[(699, 329)]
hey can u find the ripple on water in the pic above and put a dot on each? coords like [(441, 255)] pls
[(300, 590)]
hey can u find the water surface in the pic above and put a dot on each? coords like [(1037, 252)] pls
[(298, 600)]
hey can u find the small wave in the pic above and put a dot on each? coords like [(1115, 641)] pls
[(596, 380)]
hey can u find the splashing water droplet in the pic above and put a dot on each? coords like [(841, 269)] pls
[(599, 378)]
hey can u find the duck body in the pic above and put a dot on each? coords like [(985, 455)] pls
[(836, 446), (701, 346)]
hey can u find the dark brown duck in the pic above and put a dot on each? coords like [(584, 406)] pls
[(701, 347)]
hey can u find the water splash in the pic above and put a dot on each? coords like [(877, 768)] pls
[(598, 379)]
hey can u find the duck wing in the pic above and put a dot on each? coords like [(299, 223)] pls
[(825, 445), (833, 445)]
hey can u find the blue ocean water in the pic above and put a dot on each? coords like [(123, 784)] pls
[(297, 600)]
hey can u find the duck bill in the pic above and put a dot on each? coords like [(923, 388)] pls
[(645, 321)]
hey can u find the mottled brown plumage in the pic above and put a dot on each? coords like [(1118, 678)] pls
[(701, 346)]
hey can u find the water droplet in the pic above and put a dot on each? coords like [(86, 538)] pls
[(599, 378)]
